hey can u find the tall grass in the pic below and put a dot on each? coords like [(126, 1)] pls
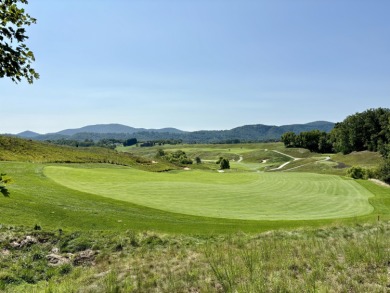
[(335, 259)]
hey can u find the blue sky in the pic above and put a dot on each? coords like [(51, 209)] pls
[(196, 64)]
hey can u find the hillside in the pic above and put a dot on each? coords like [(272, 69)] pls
[(256, 132), (18, 149)]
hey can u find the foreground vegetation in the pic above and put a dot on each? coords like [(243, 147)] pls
[(334, 259)]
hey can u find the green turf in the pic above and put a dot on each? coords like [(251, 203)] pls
[(233, 195)]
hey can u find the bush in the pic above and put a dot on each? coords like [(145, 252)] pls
[(357, 172), (3, 181), (224, 164), (178, 157), (160, 153)]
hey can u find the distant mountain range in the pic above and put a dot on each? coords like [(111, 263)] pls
[(114, 128), (257, 132)]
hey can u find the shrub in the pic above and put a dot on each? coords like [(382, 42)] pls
[(65, 269), (356, 172), (3, 181), (160, 153), (178, 157), (224, 164)]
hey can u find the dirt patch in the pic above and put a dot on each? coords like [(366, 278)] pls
[(340, 165), (57, 260), (27, 241), (86, 257)]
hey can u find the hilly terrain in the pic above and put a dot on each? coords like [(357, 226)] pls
[(97, 220), (247, 133), (114, 128)]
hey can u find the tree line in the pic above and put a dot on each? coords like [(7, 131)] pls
[(365, 131), (369, 130), (110, 143)]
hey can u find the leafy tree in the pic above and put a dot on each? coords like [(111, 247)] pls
[(384, 149), (198, 160), (369, 130), (224, 164), (3, 181), (130, 141), (325, 144), (314, 141), (289, 139), (384, 171), (15, 56)]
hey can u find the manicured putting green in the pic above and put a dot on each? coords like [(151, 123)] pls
[(251, 196)]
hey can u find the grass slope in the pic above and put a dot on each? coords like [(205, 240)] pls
[(36, 199), (249, 196), (17, 149)]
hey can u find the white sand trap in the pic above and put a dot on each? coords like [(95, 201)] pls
[(264, 161), (221, 171), (379, 182), (186, 169)]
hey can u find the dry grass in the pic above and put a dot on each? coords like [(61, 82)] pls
[(335, 259)]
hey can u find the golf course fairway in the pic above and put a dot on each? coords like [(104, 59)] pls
[(233, 195)]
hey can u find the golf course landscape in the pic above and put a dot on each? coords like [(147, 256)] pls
[(194, 146), (243, 217)]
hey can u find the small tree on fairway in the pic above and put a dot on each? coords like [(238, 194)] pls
[(3, 181), (224, 164), (198, 160)]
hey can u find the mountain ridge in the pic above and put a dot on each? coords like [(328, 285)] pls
[(253, 132)]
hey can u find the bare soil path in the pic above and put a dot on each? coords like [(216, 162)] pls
[(284, 164)]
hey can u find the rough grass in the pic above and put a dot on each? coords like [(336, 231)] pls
[(250, 196), (254, 155), (255, 152), (364, 159), (17, 149), (335, 259)]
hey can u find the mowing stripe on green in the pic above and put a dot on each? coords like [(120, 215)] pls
[(250, 196)]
